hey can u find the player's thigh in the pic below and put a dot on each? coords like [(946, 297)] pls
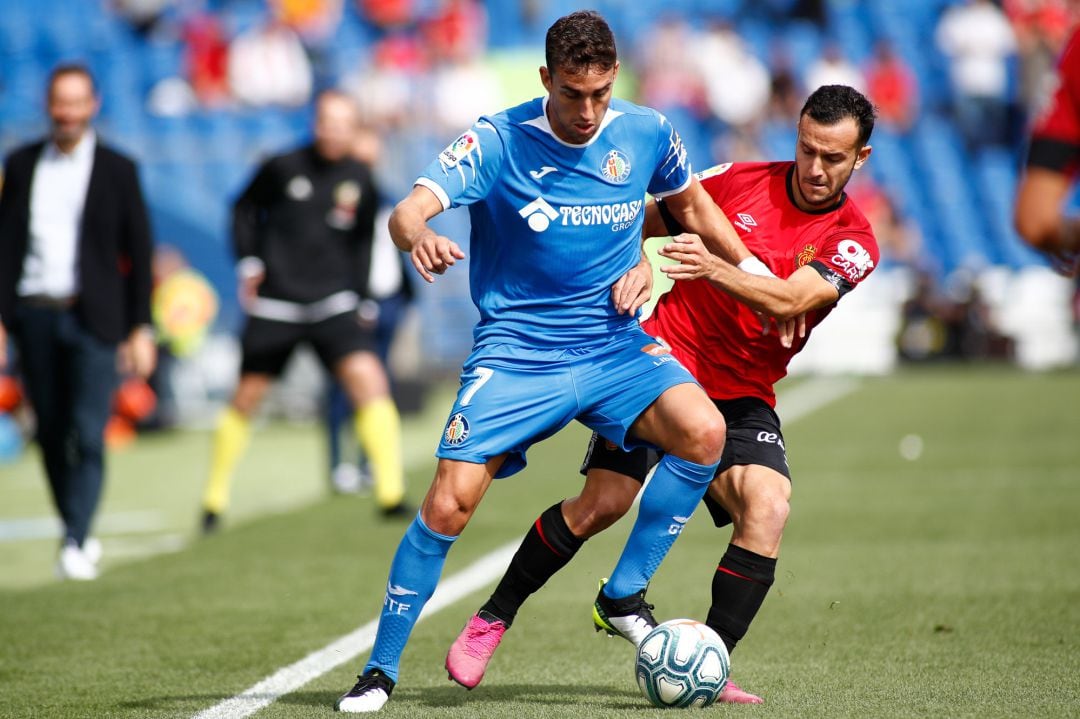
[(622, 382), (508, 400), (266, 345), (684, 422)]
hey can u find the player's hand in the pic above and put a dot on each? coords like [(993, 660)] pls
[(633, 289), (248, 289), (694, 260), (138, 354), (790, 328), (3, 347), (432, 254)]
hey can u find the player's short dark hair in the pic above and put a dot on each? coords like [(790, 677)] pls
[(579, 42), (72, 68), (829, 104)]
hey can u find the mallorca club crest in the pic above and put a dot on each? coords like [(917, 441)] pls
[(805, 256), (457, 430), (615, 167)]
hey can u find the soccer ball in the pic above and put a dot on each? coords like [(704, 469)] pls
[(682, 663)]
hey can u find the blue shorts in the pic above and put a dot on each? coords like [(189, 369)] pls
[(512, 397)]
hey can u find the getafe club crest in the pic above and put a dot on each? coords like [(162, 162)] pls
[(457, 429), (615, 167)]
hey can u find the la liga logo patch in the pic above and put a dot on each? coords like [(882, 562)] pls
[(457, 430)]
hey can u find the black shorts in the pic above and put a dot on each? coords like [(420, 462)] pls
[(268, 344), (753, 437)]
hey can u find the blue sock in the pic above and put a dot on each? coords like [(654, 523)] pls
[(413, 576), (665, 507)]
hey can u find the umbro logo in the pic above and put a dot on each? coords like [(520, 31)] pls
[(745, 221), (546, 169)]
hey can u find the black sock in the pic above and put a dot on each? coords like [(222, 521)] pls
[(546, 549), (739, 587)]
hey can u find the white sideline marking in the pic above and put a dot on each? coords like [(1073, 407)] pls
[(796, 403), (809, 397), (290, 678), (28, 528)]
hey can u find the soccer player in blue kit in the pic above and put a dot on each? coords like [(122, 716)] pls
[(556, 192)]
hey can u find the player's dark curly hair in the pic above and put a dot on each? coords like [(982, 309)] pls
[(579, 42), (829, 104)]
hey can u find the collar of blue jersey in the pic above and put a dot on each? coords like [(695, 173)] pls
[(543, 124)]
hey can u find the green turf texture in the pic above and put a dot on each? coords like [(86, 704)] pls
[(947, 585)]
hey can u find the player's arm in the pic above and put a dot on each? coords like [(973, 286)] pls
[(806, 289), (248, 214), (431, 253), (695, 211)]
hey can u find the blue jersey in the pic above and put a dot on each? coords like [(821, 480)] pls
[(555, 225)]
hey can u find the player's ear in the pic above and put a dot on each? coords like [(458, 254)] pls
[(863, 156), (545, 78)]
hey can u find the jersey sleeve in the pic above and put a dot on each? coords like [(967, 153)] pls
[(846, 259), (672, 174), (466, 170)]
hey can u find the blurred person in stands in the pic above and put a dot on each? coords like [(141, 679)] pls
[(669, 74), (455, 38), (206, 59), (737, 83), (302, 231), (75, 283), (795, 217), (268, 65), (891, 86), (1053, 162), (833, 68), (978, 41)]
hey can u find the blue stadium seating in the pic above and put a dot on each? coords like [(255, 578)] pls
[(193, 166)]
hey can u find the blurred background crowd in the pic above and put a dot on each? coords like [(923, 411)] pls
[(198, 91)]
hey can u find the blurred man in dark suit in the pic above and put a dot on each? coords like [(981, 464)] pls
[(75, 284)]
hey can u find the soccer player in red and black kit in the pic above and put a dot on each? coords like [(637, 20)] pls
[(1053, 164), (813, 246)]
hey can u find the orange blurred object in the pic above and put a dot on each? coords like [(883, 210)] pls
[(119, 432), (10, 393), (134, 400)]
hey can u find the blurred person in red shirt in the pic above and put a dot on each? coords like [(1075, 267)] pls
[(892, 88)]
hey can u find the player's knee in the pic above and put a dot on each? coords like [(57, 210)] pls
[(704, 440), (446, 514), (768, 509)]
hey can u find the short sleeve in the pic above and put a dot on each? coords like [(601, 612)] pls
[(673, 173), (466, 170)]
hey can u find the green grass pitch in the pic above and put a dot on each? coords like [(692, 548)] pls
[(942, 584)]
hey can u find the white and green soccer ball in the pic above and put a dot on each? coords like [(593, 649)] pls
[(682, 663)]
